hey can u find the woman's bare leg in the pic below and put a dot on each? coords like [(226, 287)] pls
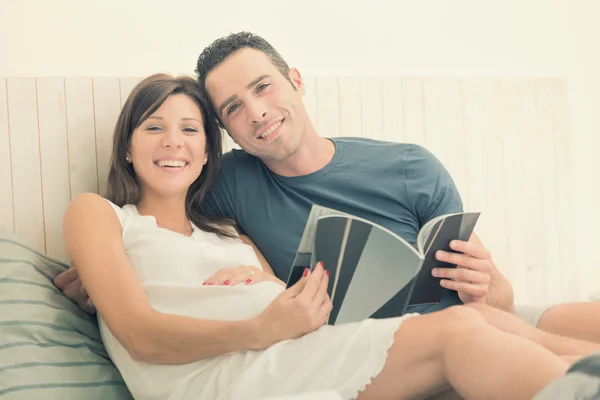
[(458, 348), (512, 324), (449, 394)]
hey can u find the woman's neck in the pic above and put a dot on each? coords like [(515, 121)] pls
[(169, 212)]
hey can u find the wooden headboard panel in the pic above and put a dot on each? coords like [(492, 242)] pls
[(504, 141)]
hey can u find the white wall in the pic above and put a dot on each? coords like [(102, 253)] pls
[(139, 37), (337, 37)]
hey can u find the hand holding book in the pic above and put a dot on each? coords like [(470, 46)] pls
[(374, 272), (472, 276)]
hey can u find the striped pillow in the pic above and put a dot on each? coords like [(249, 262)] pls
[(49, 348)]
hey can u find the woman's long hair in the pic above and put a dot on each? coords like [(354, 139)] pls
[(123, 186)]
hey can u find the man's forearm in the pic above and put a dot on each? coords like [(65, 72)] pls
[(172, 339), (501, 294)]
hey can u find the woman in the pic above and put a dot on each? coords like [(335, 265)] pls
[(188, 309)]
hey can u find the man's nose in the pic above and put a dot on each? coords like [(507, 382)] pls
[(257, 112)]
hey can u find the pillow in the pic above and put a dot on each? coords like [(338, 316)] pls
[(49, 348)]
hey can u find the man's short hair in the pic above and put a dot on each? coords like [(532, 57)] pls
[(220, 49)]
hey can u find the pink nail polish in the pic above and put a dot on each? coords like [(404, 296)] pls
[(248, 281), (227, 282), (327, 272), (305, 273)]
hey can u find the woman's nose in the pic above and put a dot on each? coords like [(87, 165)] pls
[(172, 138)]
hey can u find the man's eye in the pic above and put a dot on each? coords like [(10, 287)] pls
[(261, 87), (232, 109)]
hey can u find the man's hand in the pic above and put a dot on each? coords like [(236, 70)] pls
[(472, 276), (476, 278), (72, 287), (246, 274), (299, 310)]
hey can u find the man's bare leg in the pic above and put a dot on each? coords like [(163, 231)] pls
[(457, 348), (560, 345), (575, 320)]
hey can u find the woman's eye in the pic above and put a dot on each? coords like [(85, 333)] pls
[(193, 130), (153, 128)]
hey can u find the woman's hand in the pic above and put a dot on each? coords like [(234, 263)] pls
[(241, 274)]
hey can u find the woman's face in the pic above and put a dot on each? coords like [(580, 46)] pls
[(168, 150)]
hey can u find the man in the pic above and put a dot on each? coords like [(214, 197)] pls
[(285, 167)]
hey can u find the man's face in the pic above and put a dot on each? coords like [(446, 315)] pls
[(261, 109)]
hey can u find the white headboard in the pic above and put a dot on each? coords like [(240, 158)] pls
[(504, 141)]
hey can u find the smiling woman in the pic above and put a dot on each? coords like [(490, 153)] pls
[(165, 127)]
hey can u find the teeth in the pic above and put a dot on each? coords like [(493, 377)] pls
[(270, 130), (171, 163)]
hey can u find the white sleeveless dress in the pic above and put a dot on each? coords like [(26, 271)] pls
[(172, 268)]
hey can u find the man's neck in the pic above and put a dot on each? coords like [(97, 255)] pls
[(168, 211), (309, 158)]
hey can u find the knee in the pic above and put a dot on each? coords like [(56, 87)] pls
[(479, 307), (457, 317)]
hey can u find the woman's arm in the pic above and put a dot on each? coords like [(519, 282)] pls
[(92, 235)]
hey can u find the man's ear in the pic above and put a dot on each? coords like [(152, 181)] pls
[(296, 80)]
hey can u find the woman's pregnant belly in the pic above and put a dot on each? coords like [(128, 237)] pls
[(226, 303)]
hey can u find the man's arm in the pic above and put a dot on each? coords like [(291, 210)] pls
[(93, 239), (432, 192), (263, 261), (500, 293), (476, 278)]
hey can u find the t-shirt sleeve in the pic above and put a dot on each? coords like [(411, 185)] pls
[(430, 188)]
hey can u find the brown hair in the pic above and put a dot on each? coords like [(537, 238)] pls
[(147, 96)]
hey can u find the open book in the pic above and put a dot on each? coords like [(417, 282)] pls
[(374, 273)]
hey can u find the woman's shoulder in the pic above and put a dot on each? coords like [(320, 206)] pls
[(92, 206)]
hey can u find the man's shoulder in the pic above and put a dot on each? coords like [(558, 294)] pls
[(383, 150)]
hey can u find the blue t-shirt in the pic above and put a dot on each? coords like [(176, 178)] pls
[(399, 186)]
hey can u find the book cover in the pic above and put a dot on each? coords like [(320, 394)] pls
[(375, 273)]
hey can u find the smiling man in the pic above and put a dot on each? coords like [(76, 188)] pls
[(286, 166)]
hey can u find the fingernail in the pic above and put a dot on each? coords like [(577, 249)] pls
[(248, 281), (439, 254), (227, 282), (435, 272), (209, 284), (453, 244), (320, 264), (327, 272), (203, 283), (305, 273)]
